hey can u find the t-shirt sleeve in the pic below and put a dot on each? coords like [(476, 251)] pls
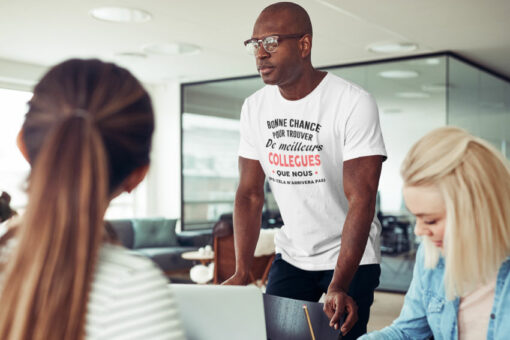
[(143, 307), (247, 148), (362, 135)]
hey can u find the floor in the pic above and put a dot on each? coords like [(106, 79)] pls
[(385, 309)]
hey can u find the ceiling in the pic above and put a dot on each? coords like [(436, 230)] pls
[(46, 32)]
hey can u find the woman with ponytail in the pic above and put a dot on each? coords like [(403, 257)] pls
[(87, 136), (458, 187)]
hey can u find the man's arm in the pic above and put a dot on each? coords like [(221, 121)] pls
[(360, 179), (247, 215)]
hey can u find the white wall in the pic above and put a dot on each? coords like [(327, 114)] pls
[(164, 179)]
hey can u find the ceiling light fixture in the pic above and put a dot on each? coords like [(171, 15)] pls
[(434, 88), (171, 49), (392, 47), (412, 95), (134, 55), (432, 61), (398, 74), (120, 14)]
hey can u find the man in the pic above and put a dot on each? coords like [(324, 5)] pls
[(317, 139)]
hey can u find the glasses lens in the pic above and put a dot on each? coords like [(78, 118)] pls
[(252, 46), (270, 44)]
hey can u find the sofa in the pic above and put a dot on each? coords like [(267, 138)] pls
[(157, 239)]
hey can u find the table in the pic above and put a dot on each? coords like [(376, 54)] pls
[(205, 259)]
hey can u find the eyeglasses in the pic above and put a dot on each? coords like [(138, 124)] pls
[(269, 43)]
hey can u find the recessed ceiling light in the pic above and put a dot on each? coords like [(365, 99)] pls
[(434, 88), (171, 49), (392, 47), (412, 95), (120, 14), (398, 74), (135, 55), (432, 61)]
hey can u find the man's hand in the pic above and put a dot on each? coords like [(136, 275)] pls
[(336, 304), (238, 280)]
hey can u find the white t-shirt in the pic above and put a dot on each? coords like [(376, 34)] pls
[(301, 146)]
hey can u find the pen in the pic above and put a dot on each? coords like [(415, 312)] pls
[(309, 322)]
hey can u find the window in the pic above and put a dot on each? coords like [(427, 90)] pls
[(14, 168), (209, 167), (210, 138)]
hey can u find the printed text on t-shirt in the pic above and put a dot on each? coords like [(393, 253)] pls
[(295, 151)]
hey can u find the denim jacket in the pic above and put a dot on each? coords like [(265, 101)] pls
[(427, 312)]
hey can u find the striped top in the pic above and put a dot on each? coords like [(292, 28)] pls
[(130, 299)]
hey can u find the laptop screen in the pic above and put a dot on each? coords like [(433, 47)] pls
[(212, 312)]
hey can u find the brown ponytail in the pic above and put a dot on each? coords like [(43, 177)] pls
[(76, 153)]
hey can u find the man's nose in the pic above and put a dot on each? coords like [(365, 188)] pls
[(262, 53)]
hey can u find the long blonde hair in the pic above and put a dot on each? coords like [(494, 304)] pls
[(474, 180), (89, 125)]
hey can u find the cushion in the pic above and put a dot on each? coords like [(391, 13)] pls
[(157, 232), (124, 232), (169, 259), (265, 244)]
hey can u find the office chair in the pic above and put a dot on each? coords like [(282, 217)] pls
[(224, 255)]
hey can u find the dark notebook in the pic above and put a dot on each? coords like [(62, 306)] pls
[(286, 319)]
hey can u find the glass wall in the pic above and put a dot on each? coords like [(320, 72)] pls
[(210, 138), (414, 96), (480, 103)]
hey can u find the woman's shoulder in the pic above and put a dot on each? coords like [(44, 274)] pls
[(118, 263), (130, 289), (121, 256)]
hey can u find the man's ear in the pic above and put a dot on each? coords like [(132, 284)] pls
[(305, 45), (135, 178), (21, 145)]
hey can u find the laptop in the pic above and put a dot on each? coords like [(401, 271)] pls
[(212, 312)]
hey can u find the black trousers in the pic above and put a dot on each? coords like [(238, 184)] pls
[(288, 281)]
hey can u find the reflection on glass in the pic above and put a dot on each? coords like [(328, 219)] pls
[(209, 167), (480, 103)]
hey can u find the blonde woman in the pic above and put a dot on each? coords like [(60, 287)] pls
[(87, 136), (458, 187)]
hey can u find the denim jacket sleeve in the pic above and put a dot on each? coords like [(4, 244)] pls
[(412, 322)]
